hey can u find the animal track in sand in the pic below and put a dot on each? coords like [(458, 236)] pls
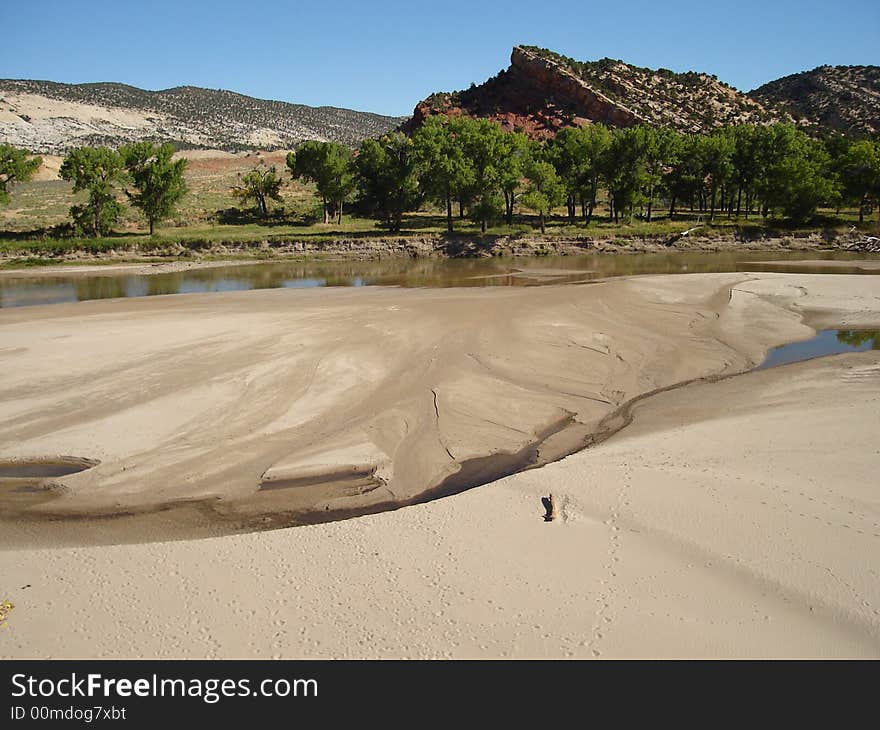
[(608, 591)]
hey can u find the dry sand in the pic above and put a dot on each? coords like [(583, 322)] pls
[(734, 518)]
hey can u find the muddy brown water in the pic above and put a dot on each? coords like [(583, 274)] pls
[(21, 291)]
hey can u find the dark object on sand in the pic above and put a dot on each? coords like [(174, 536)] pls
[(549, 508)]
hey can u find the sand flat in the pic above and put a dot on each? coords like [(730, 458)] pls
[(116, 269), (731, 518), (196, 397)]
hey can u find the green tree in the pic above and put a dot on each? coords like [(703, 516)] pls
[(661, 147), (623, 168), (545, 190), (330, 166), (717, 156), (796, 176), (860, 174), (157, 179), (97, 170), (15, 166), (515, 156), (566, 155), (484, 145), (443, 168), (388, 175), (591, 146), (260, 185), (683, 178), (746, 163)]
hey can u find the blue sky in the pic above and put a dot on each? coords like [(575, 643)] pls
[(385, 56)]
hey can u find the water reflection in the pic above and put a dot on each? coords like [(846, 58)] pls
[(825, 342), (26, 291), (861, 339)]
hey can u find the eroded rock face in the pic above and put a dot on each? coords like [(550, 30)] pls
[(532, 96), (542, 92)]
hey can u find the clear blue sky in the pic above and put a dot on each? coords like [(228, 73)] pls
[(386, 55)]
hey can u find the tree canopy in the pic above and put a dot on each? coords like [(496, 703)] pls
[(388, 175), (860, 172), (773, 170), (329, 166), (578, 154), (545, 190), (97, 170), (260, 185), (444, 168), (15, 166), (157, 179)]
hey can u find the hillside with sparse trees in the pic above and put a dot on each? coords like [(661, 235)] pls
[(838, 98), (47, 117)]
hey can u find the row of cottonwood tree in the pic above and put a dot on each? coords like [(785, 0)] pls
[(152, 181), (472, 167), (148, 175)]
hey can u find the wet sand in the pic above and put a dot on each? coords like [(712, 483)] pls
[(190, 403), (137, 268), (665, 543), (860, 264)]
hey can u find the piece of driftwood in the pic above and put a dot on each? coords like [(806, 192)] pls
[(549, 508)]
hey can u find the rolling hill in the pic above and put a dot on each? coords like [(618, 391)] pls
[(840, 98), (48, 117)]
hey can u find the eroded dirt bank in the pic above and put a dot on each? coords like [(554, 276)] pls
[(179, 255)]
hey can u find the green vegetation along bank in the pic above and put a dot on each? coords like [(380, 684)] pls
[(464, 184)]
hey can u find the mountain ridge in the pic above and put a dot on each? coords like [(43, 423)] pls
[(539, 93), (51, 117), (843, 98), (543, 91)]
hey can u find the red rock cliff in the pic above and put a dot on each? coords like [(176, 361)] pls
[(534, 95)]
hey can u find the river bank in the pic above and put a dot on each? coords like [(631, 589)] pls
[(180, 252)]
